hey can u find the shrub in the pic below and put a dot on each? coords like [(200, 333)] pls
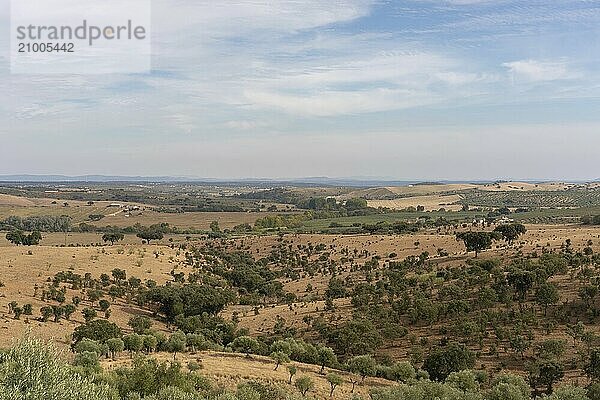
[(31, 370)]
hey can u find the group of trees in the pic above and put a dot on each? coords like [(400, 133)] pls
[(479, 241), (331, 204), (32, 369), (153, 232), (113, 237), (43, 223), (19, 237), (189, 299), (147, 234), (590, 220)]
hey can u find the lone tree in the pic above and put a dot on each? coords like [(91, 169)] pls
[(521, 281), (545, 373), (115, 346), (280, 358), (304, 384), (327, 357), (15, 237), (511, 232), (89, 314), (452, 358), (176, 343), (478, 241), (133, 343), (68, 310), (292, 371), (118, 275), (113, 237), (334, 381), (363, 365), (150, 234), (140, 324), (245, 344), (46, 312)]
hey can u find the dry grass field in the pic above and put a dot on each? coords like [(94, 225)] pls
[(383, 193), (188, 220), (22, 268), (428, 240), (80, 211)]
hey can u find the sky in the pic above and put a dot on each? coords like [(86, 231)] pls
[(420, 89)]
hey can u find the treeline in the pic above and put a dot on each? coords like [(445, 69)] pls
[(285, 196), (204, 207), (164, 228), (43, 223), (294, 221), (276, 195), (401, 227), (590, 220)]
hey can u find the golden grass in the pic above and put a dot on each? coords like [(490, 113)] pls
[(21, 271)]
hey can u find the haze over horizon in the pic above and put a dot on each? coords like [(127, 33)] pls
[(422, 89), (344, 180)]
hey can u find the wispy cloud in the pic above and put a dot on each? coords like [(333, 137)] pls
[(534, 70), (229, 70)]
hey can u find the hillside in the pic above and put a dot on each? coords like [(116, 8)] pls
[(229, 370)]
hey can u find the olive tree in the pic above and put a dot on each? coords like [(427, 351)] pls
[(334, 381)]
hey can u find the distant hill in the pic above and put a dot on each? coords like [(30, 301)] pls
[(88, 178), (358, 182), (309, 181)]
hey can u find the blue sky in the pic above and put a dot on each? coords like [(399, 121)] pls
[(422, 89)]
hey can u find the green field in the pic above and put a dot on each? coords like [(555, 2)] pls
[(321, 224)]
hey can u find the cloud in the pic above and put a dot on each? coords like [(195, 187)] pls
[(468, 2), (537, 71), (333, 103), (226, 73), (367, 83), (244, 125), (235, 17)]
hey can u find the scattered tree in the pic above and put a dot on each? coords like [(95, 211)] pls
[(334, 381), (304, 384)]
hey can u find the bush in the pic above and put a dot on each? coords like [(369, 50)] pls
[(452, 358), (88, 360), (99, 330), (31, 370)]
